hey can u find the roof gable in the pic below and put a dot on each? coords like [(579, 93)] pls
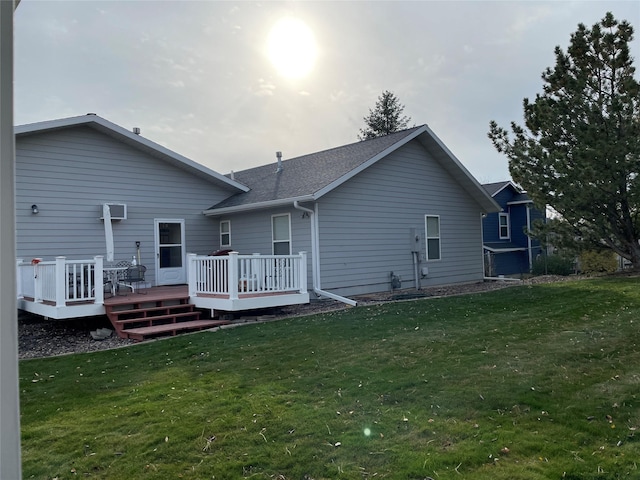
[(132, 139), (497, 187), (309, 177), (517, 195)]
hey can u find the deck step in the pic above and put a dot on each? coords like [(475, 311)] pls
[(138, 318), (142, 333), (152, 312), (158, 319)]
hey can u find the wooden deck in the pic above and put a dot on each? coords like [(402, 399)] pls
[(155, 312), (152, 294), (166, 294)]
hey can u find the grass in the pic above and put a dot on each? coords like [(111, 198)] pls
[(523, 383)]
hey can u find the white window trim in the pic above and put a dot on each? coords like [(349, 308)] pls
[(427, 238), (508, 225), (222, 244), (273, 242)]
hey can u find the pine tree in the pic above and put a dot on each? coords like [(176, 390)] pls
[(385, 118), (579, 151)]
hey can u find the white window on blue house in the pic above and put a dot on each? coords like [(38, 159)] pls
[(281, 234), (432, 231), (503, 218), (225, 233)]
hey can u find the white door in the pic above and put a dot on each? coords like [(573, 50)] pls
[(170, 257)]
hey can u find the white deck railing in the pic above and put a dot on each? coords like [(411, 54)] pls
[(235, 274), (61, 281)]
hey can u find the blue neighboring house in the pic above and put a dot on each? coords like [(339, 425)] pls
[(508, 250)]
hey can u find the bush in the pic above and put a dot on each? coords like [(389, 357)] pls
[(598, 262), (552, 265)]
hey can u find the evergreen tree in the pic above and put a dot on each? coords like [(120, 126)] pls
[(579, 151), (385, 118)]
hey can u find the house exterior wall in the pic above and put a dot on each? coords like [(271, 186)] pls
[(365, 226), (251, 232), (71, 172)]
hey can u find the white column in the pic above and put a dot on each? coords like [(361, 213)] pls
[(62, 282), (192, 274), (303, 272), (37, 281), (10, 466), (233, 275), (19, 292), (98, 282)]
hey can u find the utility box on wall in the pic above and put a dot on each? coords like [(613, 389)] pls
[(414, 240)]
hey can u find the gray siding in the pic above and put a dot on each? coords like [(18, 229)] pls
[(365, 226), (70, 173)]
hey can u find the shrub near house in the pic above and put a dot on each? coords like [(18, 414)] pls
[(592, 262)]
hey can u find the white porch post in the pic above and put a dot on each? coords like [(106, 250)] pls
[(98, 283), (37, 281), (191, 274), (303, 272), (61, 281), (19, 278), (233, 275), (10, 463)]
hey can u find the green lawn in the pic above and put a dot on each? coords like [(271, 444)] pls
[(527, 382)]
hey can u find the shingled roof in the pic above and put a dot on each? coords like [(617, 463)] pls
[(309, 177)]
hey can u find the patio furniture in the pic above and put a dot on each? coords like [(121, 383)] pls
[(132, 277)]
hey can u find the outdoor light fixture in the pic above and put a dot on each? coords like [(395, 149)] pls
[(34, 209)]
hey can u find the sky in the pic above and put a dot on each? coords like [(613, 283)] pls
[(197, 77)]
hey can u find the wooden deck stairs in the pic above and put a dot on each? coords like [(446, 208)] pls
[(154, 314)]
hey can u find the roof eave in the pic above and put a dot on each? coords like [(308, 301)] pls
[(520, 202), (215, 212), (504, 250)]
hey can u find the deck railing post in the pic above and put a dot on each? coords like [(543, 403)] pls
[(37, 281), (20, 293), (192, 277), (61, 281), (233, 275), (98, 282), (303, 272)]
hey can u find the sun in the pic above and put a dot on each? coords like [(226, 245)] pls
[(292, 49)]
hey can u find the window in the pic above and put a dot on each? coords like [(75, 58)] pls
[(281, 234), (432, 229), (225, 233), (504, 226)]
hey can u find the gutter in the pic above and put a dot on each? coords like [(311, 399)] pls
[(315, 257), (253, 206)]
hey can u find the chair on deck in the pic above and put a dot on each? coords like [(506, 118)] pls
[(107, 285), (132, 277)]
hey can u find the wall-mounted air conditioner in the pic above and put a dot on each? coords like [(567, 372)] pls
[(118, 211)]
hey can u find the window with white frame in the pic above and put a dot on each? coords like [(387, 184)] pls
[(225, 233), (432, 230), (281, 234), (503, 219)]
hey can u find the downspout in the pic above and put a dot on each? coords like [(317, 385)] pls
[(315, 257)]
